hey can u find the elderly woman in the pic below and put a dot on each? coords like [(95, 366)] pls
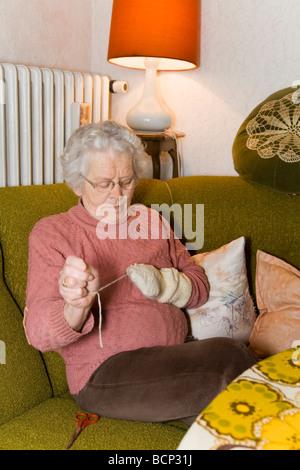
[(126, 352)]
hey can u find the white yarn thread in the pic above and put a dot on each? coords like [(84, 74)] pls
[(100, 306)]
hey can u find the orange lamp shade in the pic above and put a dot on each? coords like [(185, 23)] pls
[(165, 29)]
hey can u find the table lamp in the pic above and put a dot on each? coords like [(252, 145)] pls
[(154, 35)]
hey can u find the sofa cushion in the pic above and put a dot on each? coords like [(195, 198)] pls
[(229, 311), (278, 300), (20, 209), (50, 425), (266, 150), (23, 379), (151, 191)]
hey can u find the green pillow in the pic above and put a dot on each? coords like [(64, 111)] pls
[(266, 150)]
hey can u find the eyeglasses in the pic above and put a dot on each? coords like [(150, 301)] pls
[(108, 185)]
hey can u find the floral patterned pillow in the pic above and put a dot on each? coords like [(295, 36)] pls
[(229, 311), (266, 150)]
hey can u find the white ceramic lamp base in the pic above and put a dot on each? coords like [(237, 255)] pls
[(150, 114)]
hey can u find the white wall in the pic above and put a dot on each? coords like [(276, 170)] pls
[(249, 49), (49, 33)]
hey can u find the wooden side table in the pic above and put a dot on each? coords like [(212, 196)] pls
[(158, 142)]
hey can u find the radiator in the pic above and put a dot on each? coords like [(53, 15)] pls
[(39, 109)]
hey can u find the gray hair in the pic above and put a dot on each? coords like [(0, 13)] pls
[(93, 138)]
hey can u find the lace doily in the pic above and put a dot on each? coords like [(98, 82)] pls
[(275, 131)]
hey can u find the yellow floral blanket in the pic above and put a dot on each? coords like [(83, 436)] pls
[(260, 410)]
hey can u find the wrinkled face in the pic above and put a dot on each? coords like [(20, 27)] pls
[(103, 166)]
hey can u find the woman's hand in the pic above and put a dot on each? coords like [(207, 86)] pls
[(78, 284)]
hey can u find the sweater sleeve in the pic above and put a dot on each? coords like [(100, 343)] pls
[(45, 324), (183, 262)]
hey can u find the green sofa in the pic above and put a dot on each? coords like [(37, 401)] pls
[(37, 411)]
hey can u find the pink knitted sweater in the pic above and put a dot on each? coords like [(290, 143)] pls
[(129, 319)]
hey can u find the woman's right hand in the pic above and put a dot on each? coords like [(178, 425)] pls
[(78, 284)]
